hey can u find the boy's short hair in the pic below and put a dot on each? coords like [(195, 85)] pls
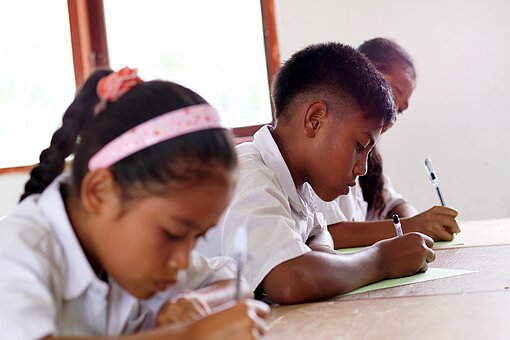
[(336, 69)]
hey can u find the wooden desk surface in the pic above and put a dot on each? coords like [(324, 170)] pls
[(471, 306), (485, 233), (460, 316)]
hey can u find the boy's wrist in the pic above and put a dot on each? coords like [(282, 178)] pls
[(382, 266), (408, 225)]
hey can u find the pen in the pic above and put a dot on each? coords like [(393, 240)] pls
[(240, 245), (396, 224), (433, 179)]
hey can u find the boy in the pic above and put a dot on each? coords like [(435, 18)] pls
[(330, 105), (363, 217)]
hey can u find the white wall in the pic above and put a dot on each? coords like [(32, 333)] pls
[(459, 114)]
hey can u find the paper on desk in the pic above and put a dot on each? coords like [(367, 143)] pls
[(457, 241), (430, 274)]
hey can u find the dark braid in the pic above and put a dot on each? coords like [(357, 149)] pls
[(63, 141), (372, 183)]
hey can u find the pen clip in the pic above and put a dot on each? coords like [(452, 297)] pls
[(430, 171)]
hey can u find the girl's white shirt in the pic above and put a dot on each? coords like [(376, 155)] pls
[(353, 207), (47, 286)]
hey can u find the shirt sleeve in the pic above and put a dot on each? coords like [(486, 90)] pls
[(28, 305), (205, 271), (330, 210), (264, 209)]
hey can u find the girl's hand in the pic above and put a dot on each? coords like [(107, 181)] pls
[(189, 306), (438, 222), (245, 320), (405, 255)]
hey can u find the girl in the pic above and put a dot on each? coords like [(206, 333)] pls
[(374, 199), (100, 251)]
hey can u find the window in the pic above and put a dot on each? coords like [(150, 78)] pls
[(36, 77), (183, 41), (213, 47)]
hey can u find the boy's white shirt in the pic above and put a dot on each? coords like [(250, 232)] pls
[(47, 286), (353, 207), (279, 218)]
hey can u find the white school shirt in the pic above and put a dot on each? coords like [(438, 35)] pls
[(279, 218), (353, 207), (47, 286)]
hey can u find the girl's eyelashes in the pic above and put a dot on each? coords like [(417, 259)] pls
[(176, 237), (173, 237)]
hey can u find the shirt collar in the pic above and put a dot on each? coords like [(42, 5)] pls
[(79, 272), (272, 157)]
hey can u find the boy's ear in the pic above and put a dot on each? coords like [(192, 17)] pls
[(99, 192), (314, 118)]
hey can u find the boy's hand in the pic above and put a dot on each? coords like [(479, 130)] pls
[(189, 306), (244, 320), (437, 222), (406, 255)]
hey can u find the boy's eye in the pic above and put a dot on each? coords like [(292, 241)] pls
[(360, 148)]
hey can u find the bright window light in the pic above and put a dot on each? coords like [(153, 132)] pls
[(36, 77), (214, 47)]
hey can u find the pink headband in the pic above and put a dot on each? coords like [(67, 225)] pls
[(164, 127)]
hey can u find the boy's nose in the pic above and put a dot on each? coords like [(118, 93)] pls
[(360, 169)]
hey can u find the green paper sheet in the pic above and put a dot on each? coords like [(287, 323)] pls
[(430, 274), (457, 241)]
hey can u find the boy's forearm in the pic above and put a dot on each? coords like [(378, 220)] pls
[(359, 234), (318, 275)]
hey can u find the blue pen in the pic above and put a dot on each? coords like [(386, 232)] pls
[(396, 224), (433, 179)]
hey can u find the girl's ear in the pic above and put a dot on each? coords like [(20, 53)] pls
[(314, 118), (99, 193)]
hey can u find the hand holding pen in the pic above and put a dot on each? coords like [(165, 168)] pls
[(437, 222)]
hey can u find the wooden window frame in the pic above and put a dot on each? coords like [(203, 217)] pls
[(88, 37), (245, 133), (90, 51)]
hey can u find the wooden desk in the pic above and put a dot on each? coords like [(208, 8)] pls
[(485, 233), (471, 306), (460, 316)]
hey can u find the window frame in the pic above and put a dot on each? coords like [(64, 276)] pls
[(90, 51)]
